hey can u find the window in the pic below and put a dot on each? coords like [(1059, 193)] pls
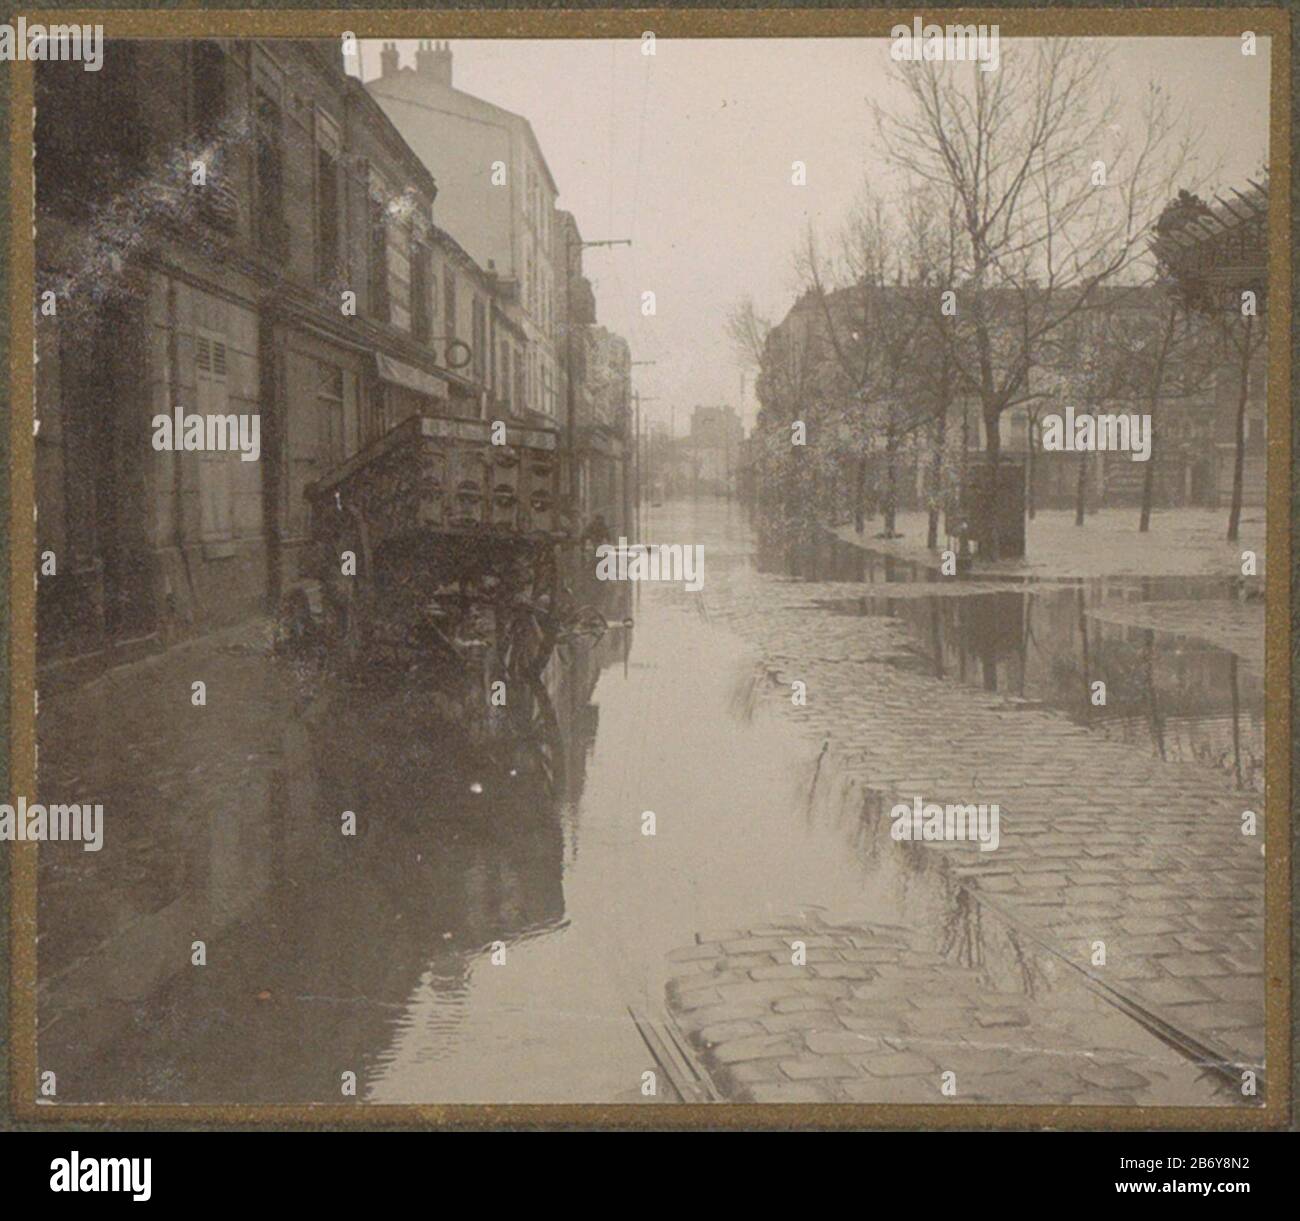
[(125, 97), (208, 106), (331, 434), (480, 339), (378, 265), (449, 304), (420, 282), (272, 236), (506, 396), (521, 396), (328, 263), (216, 467)]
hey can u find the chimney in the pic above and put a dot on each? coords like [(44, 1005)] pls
[(433, 62), (388, 60)]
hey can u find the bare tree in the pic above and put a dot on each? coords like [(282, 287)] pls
[(747, 331), (1231, 299), (1053, 198), (930, 253), (864, 341)]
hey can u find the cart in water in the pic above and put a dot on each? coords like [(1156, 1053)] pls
[(435, 551)]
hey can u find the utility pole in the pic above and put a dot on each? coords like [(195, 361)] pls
[(628, 502), (640, 485), (571, 401), (672, 446)]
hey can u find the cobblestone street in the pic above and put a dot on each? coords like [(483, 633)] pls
[(1119, 825), (588, 565), (873, 1017), (1102, 841)]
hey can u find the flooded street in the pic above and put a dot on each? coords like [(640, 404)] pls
[(480, 940), (565, 573)]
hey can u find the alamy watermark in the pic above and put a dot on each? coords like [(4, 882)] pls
[(951, 43), (930, 822), (21, 41), (1085, 432), (210, 433), (124, 1174), (651, 562), (36, 823)]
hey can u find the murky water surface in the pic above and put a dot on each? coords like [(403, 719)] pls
[(482, 941)]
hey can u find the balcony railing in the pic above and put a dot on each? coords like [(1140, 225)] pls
[(273, 237), (219, 206)]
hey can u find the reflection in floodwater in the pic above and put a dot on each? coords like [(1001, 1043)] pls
[(322, 946), (1049, 645), (375, 954), (909, 884)]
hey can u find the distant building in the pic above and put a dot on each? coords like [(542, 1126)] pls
[(1194, 420), (497, 196), (715, 448), (605, 395)]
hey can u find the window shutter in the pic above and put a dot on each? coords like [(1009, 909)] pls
[(216, 472)]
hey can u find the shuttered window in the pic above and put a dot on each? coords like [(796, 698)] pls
[(216, 467)]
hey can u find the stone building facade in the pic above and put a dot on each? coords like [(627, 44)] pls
[(247, 235)]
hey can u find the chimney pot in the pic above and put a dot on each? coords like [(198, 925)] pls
[(433, 61)]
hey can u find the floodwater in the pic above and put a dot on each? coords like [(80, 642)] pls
[(485, 939)]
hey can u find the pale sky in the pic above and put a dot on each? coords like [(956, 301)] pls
[(688, 152)]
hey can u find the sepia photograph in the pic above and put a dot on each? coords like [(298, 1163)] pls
[(650, 566)]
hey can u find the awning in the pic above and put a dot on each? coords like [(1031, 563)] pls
[(395, 371)]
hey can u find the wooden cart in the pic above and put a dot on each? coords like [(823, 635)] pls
[(435, 549)]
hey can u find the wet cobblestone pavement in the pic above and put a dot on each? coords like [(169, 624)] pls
[(1099, 840), (478, 944), (872, 1017)]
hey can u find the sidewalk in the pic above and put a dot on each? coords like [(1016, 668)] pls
[(872, 1017), (1100, 841), (1181, 542), (185, 790)]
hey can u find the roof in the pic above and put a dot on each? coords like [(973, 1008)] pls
[(377, 87), (391, 136), (455, 249), (1249, 208)]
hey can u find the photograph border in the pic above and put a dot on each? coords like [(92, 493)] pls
[(17, 605)]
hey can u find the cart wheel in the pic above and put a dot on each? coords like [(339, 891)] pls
[(357, 621), (527, 646), (354, 596), (297, 628), (536, 747)]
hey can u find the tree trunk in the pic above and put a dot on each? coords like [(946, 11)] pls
[(1148, 482), (1157, 381), (860, 495), (891, 446), (1239, 462), (993, 435), (936, 473), (993, 452), (1029, 470), (1081, 488)]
